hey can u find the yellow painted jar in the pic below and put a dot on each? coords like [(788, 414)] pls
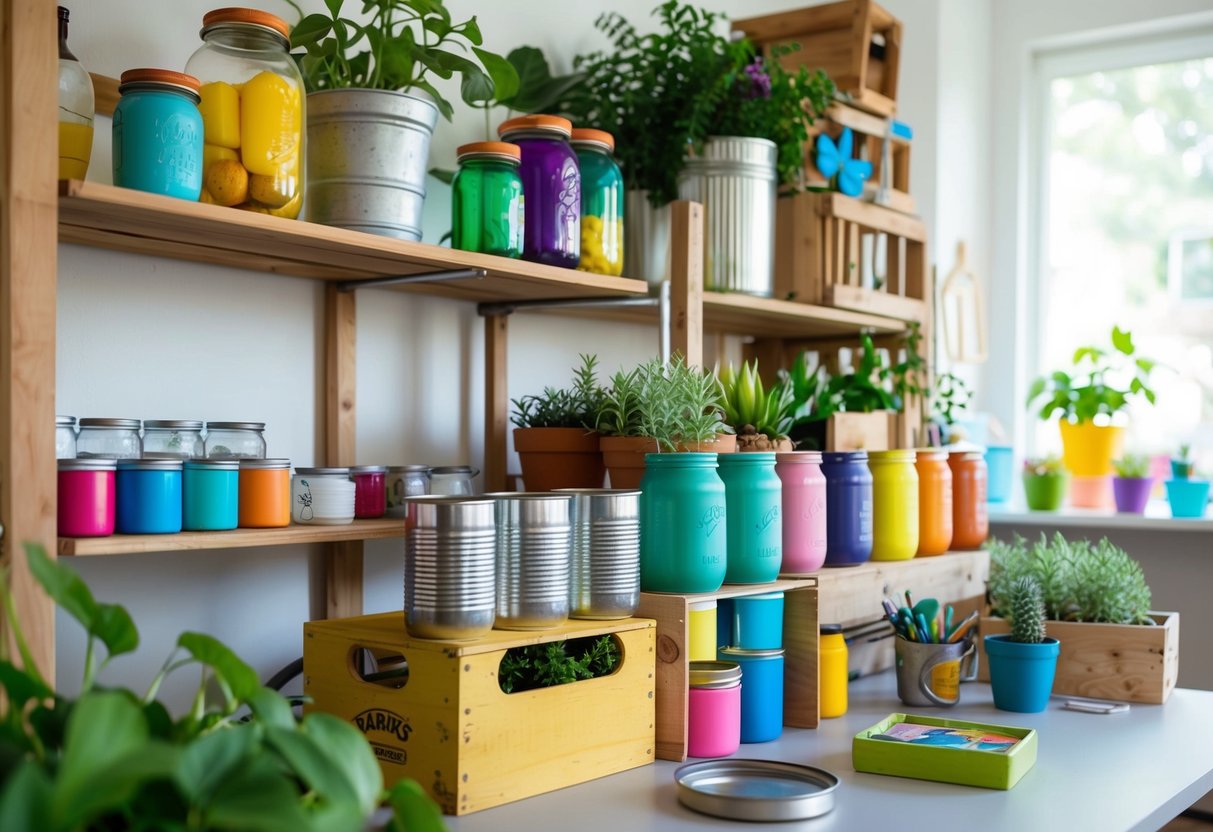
[(894, 505), (702, 646), (832, 677)]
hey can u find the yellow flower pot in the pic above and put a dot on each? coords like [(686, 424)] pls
[(1088, 449)]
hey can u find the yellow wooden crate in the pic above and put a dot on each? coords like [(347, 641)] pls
[(450, 727)]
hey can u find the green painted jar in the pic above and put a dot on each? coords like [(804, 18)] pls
[(682, 524), (487, 200), (753, 497)]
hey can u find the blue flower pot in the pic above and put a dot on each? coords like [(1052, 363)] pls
[(1001, 473), (1188, 497), (1021, 675)]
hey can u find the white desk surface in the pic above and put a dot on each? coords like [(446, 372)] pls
[(1130, 771)]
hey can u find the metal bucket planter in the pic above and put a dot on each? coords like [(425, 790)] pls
[(646, 231), (735, 179), (368, 152)]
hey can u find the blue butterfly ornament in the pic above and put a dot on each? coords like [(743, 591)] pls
[(835, 163)]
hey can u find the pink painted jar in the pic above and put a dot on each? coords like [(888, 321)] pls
[(370, 491), (714, 709), (804, 511), (86, 497)]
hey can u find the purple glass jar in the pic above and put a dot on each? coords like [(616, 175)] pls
[(848, 508), (551, 188)]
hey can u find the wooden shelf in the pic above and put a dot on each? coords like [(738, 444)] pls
[(133, 221), (128, 544)]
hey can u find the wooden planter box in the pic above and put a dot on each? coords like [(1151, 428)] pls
[(856, 42), (1125, 662), (452, 729), (875, 431), (800, 632), (870, 137)]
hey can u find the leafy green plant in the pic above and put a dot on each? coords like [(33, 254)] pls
[(557, 663), (1043, 466), (620, 412), (1132, 467), (748, 405), (1026, 611), (949, 396), (1091, 389), (113, 759), (576, 407), (859, 391), (673, 403), (1079, 580), (1182, 466), (406, 43)]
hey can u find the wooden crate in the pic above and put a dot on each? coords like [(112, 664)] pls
[(875, 431), (826, 242), (856, 42), (452, 729), (672, 613), (870, 136), (1124, 662)]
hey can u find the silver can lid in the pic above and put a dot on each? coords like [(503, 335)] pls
[(323, 472), (111, 424), (150, 464), (368, 469), (258, 426), (262, 464), (172, 424), (712, 675), (94, 463), (408, 469), (756, 790), (750, 655), (65, 421), (454, 469), (213, 464)]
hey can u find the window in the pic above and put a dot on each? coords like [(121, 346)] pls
[(1124, 234)]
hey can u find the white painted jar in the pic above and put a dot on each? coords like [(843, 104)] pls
[(322, 496)]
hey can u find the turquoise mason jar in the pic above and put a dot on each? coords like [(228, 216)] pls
[(682, 524), (158, 134), (210, 494), (754, 499)]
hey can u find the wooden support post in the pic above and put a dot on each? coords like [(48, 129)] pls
[(496, 400), (343, 562), (770, 355), (686, 281), (28, 252)]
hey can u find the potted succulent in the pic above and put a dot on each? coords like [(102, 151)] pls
[(761, 419), (113, 758), (1044, 483), (554, 435), (372, 105), (1097, 604), (1188, 497), (1182, 466), (1132, 484), (1023, 663)]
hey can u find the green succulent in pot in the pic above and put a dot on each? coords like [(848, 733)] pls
[(760, 418), (1026, 610), (1182, 466)]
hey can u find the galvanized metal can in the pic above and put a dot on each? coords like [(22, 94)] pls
[(605, 570), (647, 231), (449, 565), (533, 559)]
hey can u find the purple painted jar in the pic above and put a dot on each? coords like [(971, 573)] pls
[(551, 188), (848, 508)]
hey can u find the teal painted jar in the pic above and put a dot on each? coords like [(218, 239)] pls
[(486, 199), (157, 134), (682, 524), (211, 496), (754, 500)]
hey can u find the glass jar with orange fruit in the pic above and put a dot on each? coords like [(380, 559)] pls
[(252, 112)]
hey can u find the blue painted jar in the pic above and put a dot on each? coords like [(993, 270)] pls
[(211, 496), (754, 502), (761, 692), (848, 508), (157, 134), (682, 524), (758, 622), (149, 496)]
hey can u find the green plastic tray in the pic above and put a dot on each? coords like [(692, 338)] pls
[(969, 767)]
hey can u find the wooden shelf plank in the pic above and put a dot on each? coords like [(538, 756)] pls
[(105, 216), (127, 544)]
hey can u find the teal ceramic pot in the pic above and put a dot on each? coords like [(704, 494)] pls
[(1021, 675), (1188, 498), (682, 524), (754, 501)]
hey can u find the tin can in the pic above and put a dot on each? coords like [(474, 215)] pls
[(714, 709), (533, 560), (210, 494), (848, 508), (604, 578), (449, 567), (149, 496), (761, 692), (86, 497), (753, 500)]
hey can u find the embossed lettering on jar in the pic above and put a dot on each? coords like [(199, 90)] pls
[(682, 524)]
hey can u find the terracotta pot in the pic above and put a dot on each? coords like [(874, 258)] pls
[(554, 458), (724, 443), (624, 455)]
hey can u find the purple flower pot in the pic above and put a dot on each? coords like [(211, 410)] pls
[(1132, 494)]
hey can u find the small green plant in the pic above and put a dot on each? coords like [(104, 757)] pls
[(673, 403), (576, 407), (620, 411), (1132, 467), (557, 663), (1027, 611), (1182, 466), (1043, 466), (949, 397), (749, 408), (1091, 389)]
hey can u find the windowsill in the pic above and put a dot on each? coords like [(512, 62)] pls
[(1157, 518)]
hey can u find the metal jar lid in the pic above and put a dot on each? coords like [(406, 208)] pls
[(212, 464), (714, 675), (65, 421), (93, 463), (110, 424), (831, 629), (408, 469), (258, 426), (455, 469), (263, 464), (756, 790), (172, 424), (368, 469), (149, 464), (751, 655), (323, 472)]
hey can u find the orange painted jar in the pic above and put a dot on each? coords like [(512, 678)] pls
[(970, 521), (934, 501), (265, 493)]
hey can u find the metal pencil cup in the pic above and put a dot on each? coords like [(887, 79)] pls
[(533, 543), (449, 563), (605, 571), (930, 674)]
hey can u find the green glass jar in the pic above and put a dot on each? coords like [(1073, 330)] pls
[(486, 200), (754, 501), (601, 203), (682, 524)]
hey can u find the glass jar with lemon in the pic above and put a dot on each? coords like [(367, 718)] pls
[(601, 202), (252, 112)]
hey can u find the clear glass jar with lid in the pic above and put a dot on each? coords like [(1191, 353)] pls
[(109, 438), (252, 112), (601, 202), (173, 439), (453, 480), (65, 437), (405, 481), (235, 440), (76, 109)]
